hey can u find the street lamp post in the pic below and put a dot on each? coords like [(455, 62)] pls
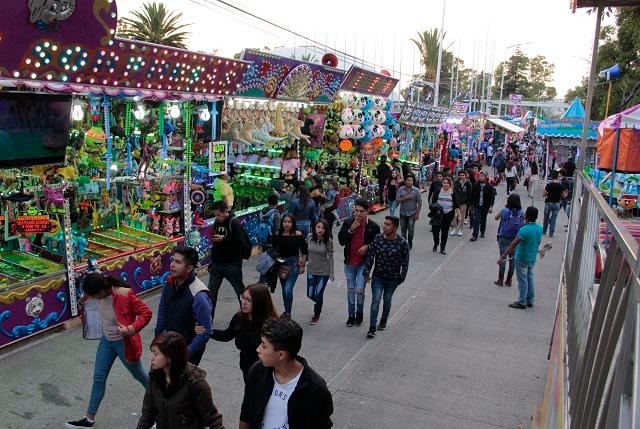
[(503, 67), (437, 89)]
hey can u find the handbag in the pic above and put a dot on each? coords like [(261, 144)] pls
[(265, 262), (91, 320), (284, 271)]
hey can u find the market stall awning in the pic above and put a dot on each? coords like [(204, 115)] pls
[(506, 125)]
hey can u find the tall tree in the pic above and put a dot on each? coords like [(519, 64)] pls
[(527, 76), (156, 24), (428, 43)]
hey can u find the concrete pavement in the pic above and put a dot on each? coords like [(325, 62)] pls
[(454, 355)]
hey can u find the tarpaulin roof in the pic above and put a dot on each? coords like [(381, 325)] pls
[(629, 118), (506, 125), (575, 111), (567, 129)]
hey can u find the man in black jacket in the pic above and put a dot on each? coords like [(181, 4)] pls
[(226, 253), (282, 391), (356, 235), (483, 196), (383, 171)]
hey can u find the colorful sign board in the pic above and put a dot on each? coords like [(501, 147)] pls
[(77, 45), (422, 115), (218, 152), (368, 82), (33, 224), (287, 79)]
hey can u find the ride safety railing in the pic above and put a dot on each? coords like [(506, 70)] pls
[(593, 378)]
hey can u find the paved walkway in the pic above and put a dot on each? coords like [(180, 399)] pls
[(454, 355)]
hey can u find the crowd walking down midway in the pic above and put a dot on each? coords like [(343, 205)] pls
[(281, 388)]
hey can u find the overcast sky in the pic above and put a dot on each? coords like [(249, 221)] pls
[(380, 31)]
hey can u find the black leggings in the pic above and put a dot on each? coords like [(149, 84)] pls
[(441, 232)]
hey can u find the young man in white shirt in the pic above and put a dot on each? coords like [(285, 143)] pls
[(282, 391)]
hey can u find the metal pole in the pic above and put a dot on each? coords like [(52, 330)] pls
[(613, 167), (592, 74), (437, 89), (453, 61), (606, 111)]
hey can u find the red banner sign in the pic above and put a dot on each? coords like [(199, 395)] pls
[(38, 224)]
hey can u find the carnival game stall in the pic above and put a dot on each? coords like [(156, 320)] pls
[(111, 125), (564, 134)]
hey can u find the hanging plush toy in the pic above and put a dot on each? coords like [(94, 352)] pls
[(359, 132), (358, 116), (347, 116), (346, 132)]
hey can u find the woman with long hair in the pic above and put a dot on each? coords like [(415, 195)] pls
[(444, 199), (122, 315), (304, 210), (391, 189), (256, 307), (291, 246), (505, 236), (320, 268), (512, 176), (178, 395)]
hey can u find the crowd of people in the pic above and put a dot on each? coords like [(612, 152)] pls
[(281, 389)]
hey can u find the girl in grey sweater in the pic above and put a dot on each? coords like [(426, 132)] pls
[(320, 265)]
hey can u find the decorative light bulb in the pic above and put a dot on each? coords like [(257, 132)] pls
[(139, 113), (174, 112), (77, 114), (205, 115)]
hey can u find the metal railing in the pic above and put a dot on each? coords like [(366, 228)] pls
[(593, 372)]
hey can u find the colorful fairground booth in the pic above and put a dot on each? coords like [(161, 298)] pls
[(100, 141), (617, 174), (564, 134)]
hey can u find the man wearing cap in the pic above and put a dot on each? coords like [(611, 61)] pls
[(483, 196)]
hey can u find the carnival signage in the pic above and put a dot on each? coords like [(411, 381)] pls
[(275, 77), (368, 82), (73, 42), (422, 115), (218, 152), (33, 222)]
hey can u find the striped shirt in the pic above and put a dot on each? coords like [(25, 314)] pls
[(445, 200)]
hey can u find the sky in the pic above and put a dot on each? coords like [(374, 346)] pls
[(380, 31)]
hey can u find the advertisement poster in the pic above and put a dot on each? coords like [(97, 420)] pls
[(218, 158)]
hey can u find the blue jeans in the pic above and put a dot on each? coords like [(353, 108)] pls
[(392, 207), (105, 356), (407, 227), (315, 291), (503, 243), (381, 289), (524, 273), (355, 288), (566, 206), (304, 226), (550, 215), (289, 282)]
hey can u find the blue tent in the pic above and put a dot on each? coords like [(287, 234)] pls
[(575, 111), (570, 125)]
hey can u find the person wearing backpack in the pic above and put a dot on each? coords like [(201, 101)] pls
[(269, 223), (511, 219), (231, 244)]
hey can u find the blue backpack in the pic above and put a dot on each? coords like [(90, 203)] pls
[(512, 224), (265, 227)]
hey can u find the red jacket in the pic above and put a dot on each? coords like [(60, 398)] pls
[(131, 310)]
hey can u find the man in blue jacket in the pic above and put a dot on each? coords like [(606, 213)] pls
[(185, 303)]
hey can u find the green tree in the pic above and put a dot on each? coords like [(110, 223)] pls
[(527, 76), (156, 24), (618, 45), (428, 43)]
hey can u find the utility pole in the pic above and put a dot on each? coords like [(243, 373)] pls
[(437, 88)]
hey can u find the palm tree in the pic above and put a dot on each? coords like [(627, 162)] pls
[(155, 24), (428, 44)]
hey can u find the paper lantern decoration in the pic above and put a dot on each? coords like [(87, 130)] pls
[(330, 60), (346, 145)]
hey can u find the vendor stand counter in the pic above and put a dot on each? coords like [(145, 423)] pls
[(34, 291)]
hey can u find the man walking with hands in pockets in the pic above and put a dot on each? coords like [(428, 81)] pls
[(410, 204)]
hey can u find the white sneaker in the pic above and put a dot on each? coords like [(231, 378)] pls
[(466, 221), (459, 232), (452, 231)]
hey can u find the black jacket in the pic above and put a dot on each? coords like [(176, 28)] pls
[(383, 172), (371, 229), (230, 248), (489, 196), (310, 405), (188, 406), (462, 192), (434, 187)]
